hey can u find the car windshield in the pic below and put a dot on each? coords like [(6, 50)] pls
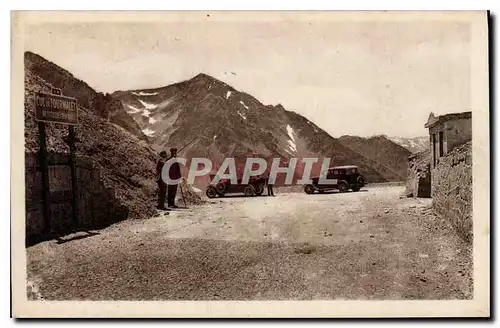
[(340, 171)]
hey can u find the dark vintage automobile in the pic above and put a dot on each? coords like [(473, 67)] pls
[(254, 187), (344, 178)]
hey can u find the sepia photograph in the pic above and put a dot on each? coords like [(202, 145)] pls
[(227, 163)]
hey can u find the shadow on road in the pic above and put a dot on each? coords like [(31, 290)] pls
[(65, 240), (337, 192), (282, 193), (238, 196)]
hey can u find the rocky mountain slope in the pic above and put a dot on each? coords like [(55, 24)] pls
[(125, 162), (215, 120), (101, 104), (415, 145), (391, 157)]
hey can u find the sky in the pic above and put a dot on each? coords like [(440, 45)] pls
[(349, 77)]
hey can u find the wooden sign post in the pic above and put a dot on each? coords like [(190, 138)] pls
[(56, 108)]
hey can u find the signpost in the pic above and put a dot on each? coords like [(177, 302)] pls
[(56, 108)]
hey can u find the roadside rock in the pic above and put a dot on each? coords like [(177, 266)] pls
[(186, 193)]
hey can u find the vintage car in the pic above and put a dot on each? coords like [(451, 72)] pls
[(342, 178), (254, 187)]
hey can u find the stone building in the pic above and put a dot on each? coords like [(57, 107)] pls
[(451, 169), (447, 132)]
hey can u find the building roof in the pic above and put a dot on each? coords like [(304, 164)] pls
[(433, 120)]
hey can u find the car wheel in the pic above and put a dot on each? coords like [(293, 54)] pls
[(343, 187), (211, 192), (309, 189), (249, 191)]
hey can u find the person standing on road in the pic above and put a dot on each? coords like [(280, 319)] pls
[(270, 191), (174, 174), (162, 187)]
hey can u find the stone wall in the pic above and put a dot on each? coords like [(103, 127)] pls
[(452, 189), (418, 183), (96, 204)]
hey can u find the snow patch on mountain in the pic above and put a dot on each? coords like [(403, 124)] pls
[(242, 115), (152, 120), (140, 93), (147, 105), (241, 102), (133, 110), (414, 145), (146, 113), (291, 133), (215, 137), (292, 145), (228, 94), (148, 132)]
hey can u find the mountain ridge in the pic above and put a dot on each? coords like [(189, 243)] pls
[(227, 122), (102, 104), (391, 156), (413, 144), (215, 120)]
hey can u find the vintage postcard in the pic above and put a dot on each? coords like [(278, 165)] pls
[(250, 164)]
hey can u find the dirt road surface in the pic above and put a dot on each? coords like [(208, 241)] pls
[(365, 245)]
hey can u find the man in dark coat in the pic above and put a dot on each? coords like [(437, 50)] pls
[(162, 187), (270, 191), (174, 173)]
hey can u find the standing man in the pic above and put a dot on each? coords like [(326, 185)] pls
[(162, 187), (270, 191), (174, 174), (269, 187)]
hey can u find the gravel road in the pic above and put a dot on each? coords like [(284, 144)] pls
[(365, 245)]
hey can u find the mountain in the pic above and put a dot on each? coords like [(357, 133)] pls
[(217, 121), (415, 145), (391, 157), (122, 131)]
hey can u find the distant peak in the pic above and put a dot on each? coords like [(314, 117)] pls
[(204, 77)]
